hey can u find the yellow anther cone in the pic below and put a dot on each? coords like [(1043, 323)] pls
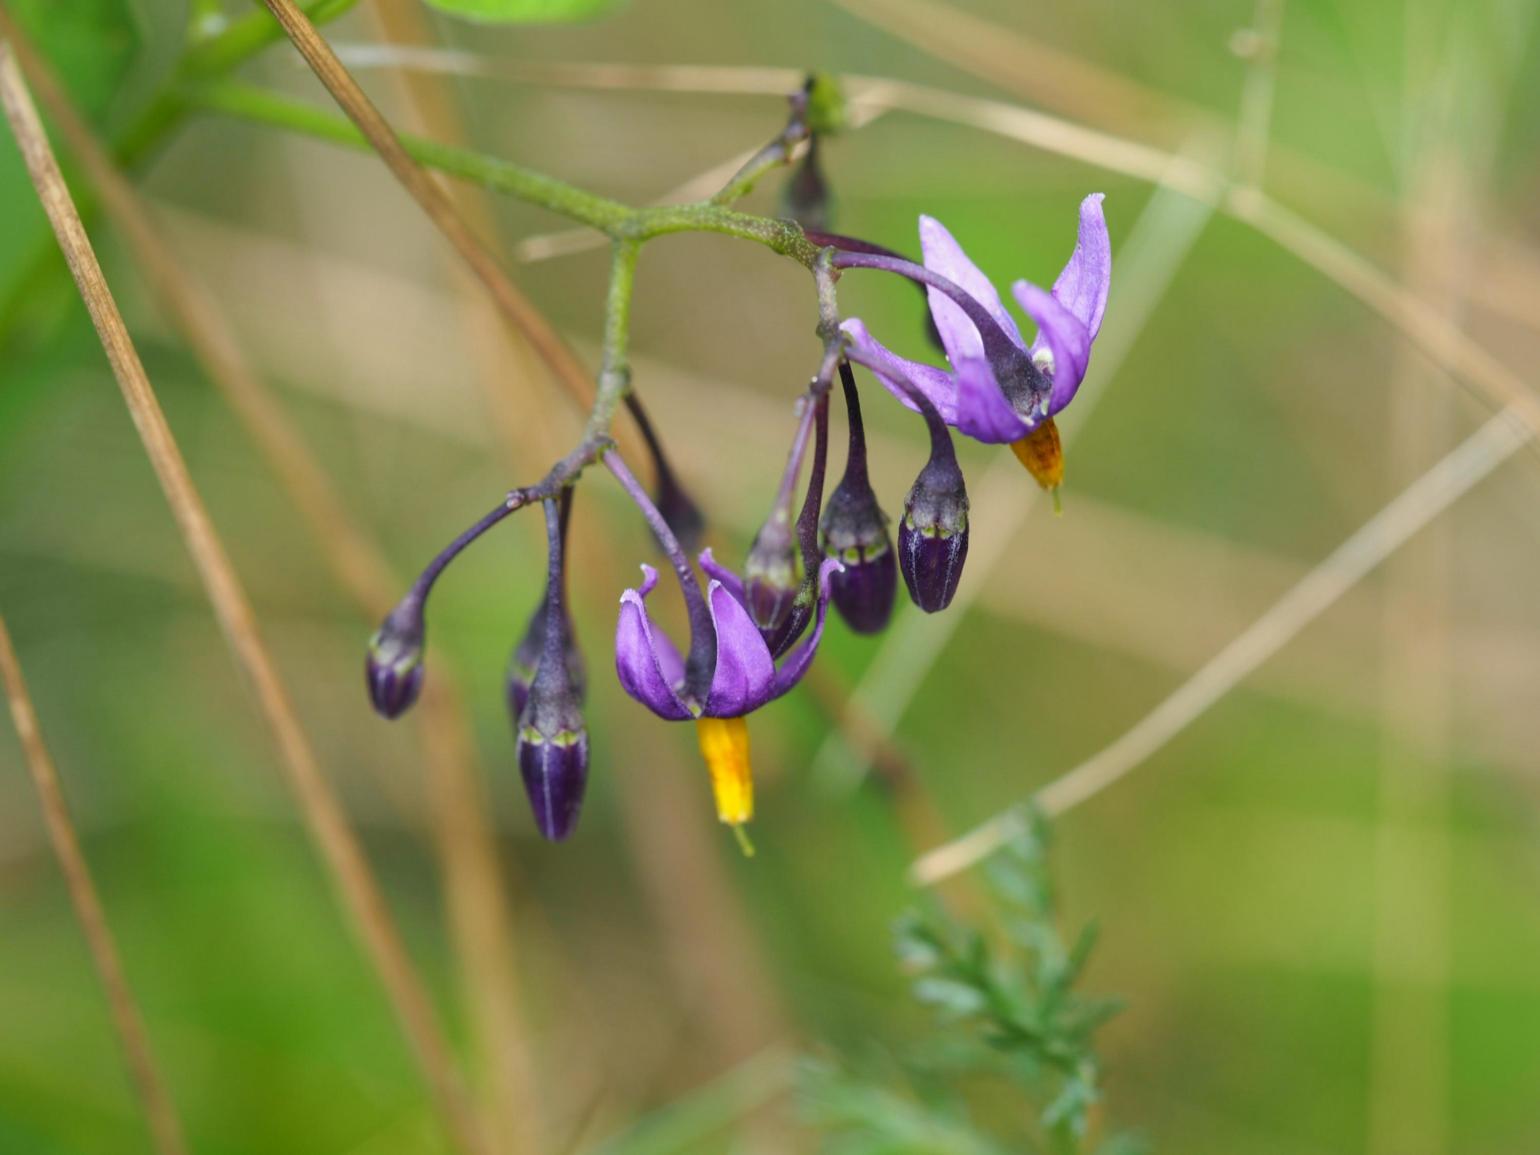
[(1043, 455), (724, 743)]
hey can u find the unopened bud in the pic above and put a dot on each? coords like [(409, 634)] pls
[(772, 574), (394, 668), (525, 659), (933, 538), (552, 737), (807, 198), (553, 760)]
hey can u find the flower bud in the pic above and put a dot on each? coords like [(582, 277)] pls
[(525, 659), (825, 109), (772, 574), (933, 538), (680, 512), (552, 737), (803, 604), (855, 532), (553, 753), (394, 666), (807, 198)]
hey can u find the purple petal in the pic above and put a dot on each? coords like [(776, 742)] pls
[(1082, 286), (1065, 336), (945, 256), (648, 665), (983, 413), (796, 663), (744, 671), (715, 569), (891, 369)]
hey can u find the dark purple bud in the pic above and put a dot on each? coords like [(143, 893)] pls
[(933, 538), (681, 514), (525, 659), (800, 613), (552, 737), (804, 601), (772, 574), (553, 761), (855, 532), (807, 198), (394, 666)]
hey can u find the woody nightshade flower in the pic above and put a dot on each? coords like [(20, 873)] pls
[(999, 389), (552, 737), (729, 670)]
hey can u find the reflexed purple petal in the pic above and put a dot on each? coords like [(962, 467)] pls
[(1064, 335), (1082, 286), (797, 662), (648, 665), (715, 569), (945, 256), (744, 670), (983, 413), (891, 369)]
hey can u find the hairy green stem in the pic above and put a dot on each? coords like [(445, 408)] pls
[(615, 372)]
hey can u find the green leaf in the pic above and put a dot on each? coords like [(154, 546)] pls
[(954, 998), (524, 11), (91, 46)]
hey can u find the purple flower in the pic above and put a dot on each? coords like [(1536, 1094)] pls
[(985, 395), (738, 678), (744, 676)]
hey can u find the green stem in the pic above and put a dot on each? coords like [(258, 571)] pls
[(784, 237), (608, 216), (262, 107), (615, 372), (776, 154)]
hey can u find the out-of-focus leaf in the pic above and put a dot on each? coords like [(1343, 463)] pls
[(524, 11), (90, 44), (953, 998), (110, 56)]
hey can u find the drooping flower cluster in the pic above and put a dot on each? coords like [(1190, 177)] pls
[(754, 633)]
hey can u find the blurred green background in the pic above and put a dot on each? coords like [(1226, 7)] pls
[(1321, 901)]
